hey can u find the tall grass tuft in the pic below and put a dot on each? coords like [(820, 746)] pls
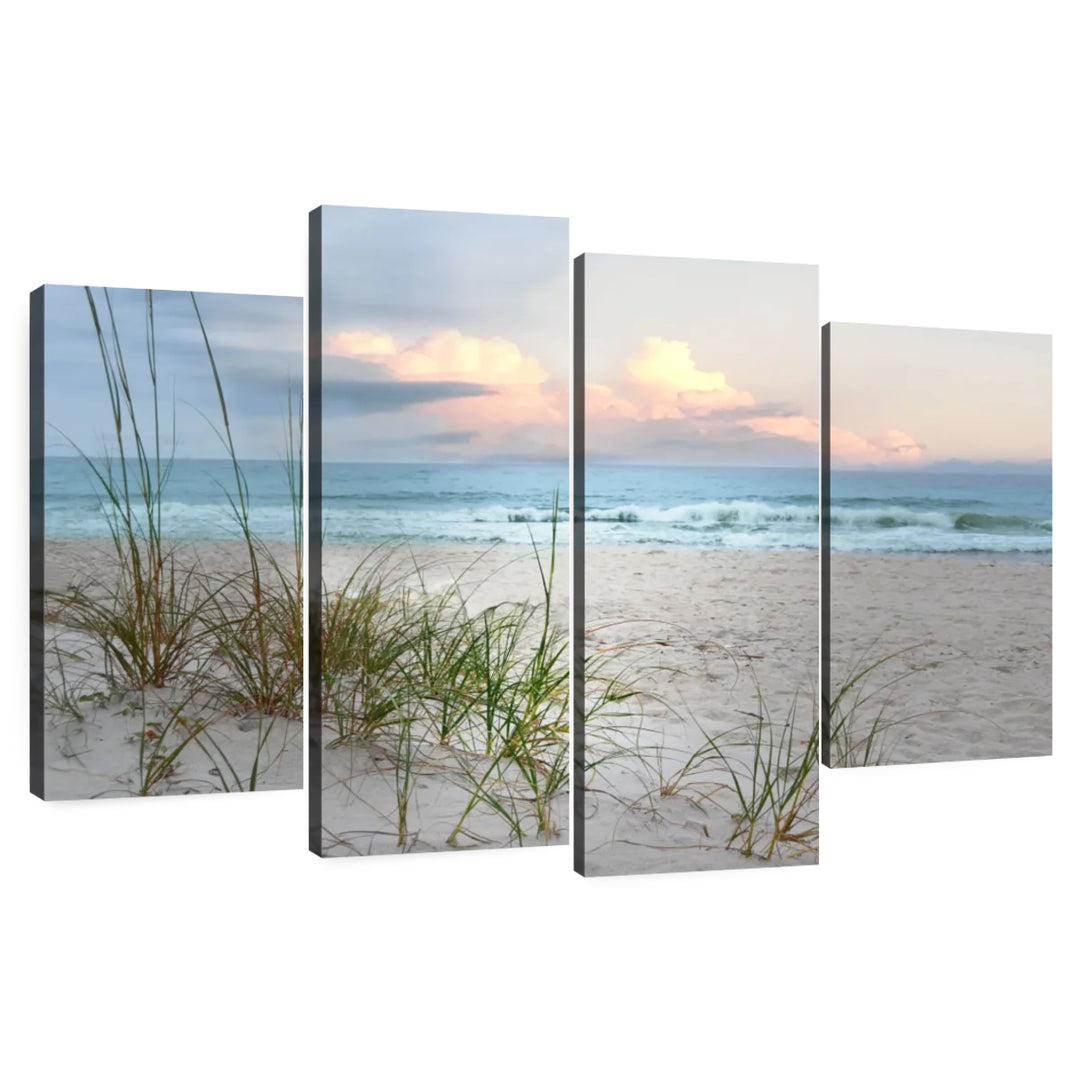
[(258, 624), (860, 713), (216, 643), (761, 772), (478, 699), (777, 791), (148, 619)]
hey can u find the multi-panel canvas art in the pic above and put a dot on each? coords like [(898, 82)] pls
[(696, 573), (440, 351), (937, 502), (168, 527), (166, 621)]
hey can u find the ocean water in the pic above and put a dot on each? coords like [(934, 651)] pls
[(457, 504), (195, 504), (916, 511), (684, 506), (697, 506), (487, 503), (950, 513)]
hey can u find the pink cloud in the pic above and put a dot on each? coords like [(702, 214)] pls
[(447, 354), (662, 381), (453, 355), (899, 444), (666, 375), (847, 447), (601, 400), (790, 427), (361, 343), (521, 391)]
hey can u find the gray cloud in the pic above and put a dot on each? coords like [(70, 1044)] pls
[(448, 438), (411, 274), (745, 412), (357, 396), (352, 367), (730, 445)]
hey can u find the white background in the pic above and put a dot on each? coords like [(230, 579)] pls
[(922, 156)]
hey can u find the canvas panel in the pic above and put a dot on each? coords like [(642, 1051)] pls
[(696, 540), (441, 718), (939, 508), (166, 533)]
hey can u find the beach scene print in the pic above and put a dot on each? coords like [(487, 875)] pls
[(170, 488), (443, 705), (940, 556), (696, 503)]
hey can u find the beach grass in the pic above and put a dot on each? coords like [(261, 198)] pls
[(186, 646), (777, 791), (758, 772), (862, 712), (430, 687)]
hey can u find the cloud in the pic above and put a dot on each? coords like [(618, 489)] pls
[(891, 446), (662, 381), (667, 376), (452, 355), (789, 427), (601, 400), (899, 444), (679, 441), (663, 389), (447, 354), (448, 438), (361, 343), (486, 385), (351, 396), (766, 408)]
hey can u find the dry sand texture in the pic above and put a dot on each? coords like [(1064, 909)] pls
[(95, 727), (363, 779), (974, 681), (704, 631)]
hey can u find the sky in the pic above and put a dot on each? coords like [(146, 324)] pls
[(911, 396), (446, 336), (701, 361), (257, 343)]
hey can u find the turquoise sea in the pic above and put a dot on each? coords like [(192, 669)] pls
[(195, 504), (685, 506)]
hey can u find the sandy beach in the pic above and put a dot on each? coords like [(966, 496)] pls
[(95, 729), (974, 681), (485, 575), (362, 779), (704, 630)]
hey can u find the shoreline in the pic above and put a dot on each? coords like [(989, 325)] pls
[(280, 548), (452, 545)]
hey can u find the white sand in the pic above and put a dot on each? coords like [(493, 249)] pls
[(359, 798), (96, 754), (721, 624), (485, 575), (976, 679)]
